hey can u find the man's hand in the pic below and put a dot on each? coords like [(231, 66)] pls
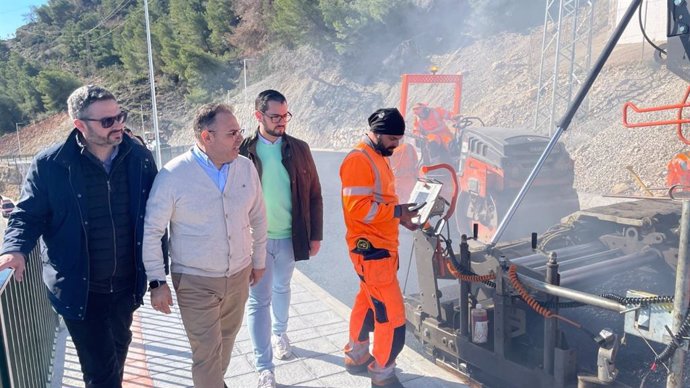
[(314, 247), (161, 299), (15, 260), (256, 275), (406, 215), (409, 225)]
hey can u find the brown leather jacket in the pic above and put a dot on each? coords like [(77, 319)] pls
[(307, 203)]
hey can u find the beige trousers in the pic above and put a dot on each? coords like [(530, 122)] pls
[(212, 310)]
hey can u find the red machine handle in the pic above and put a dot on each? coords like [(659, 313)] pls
[(451, 170), (679, 121)]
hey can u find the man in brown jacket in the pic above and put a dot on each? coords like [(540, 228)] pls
[(294, 208)]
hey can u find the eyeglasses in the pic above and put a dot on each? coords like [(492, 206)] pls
[(275, 119), (107, 122), (231, 133)]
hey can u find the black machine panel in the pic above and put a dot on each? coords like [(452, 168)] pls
[(678, 32)]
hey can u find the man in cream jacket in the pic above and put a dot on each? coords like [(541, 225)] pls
[(212, 199)]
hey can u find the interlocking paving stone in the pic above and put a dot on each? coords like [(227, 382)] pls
[(318, 330)]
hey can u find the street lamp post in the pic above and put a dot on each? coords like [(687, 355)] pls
[(19, 144), (244, 72), (152, 82)]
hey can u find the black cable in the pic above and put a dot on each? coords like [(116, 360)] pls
[(639, 301), (644, 378), (639, 14), (675, 341)]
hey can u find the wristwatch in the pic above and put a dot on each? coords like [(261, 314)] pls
[(156, 283)]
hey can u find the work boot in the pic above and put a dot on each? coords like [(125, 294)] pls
[(281, 347), (383, 376), (391, 382), (357, 368), (357, 357)]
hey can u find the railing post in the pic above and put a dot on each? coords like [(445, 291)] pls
[(28, 327)]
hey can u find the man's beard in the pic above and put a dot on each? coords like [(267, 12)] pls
[(275, 132), (383, 150)]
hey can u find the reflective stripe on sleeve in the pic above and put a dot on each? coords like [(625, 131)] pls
[(372, 213), (357, 190)]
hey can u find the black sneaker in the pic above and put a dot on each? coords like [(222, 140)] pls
[(391, 382)]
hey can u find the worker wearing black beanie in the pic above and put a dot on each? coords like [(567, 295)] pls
[(387, 121), (373, 215)]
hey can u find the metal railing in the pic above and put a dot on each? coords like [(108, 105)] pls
[(28, 328), (13, 160), (168, 152)]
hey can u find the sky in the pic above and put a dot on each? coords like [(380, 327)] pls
[(12, 15)]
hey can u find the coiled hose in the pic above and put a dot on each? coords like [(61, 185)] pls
[(531, 302), (471, 277), (468, 276)]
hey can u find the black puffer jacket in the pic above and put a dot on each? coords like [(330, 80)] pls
[(53, 205)]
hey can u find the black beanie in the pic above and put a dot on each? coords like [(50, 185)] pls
[(387, 121)]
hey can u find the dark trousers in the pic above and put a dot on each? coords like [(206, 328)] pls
[(103, 337)]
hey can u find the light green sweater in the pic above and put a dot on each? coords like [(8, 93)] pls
[(275, 183)]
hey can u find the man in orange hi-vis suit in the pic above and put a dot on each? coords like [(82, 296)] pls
[(372, 215)]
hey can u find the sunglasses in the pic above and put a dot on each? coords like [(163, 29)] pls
[(107, 122)]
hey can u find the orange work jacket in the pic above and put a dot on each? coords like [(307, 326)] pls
[(369, 199), (679, 170), (434, 127)]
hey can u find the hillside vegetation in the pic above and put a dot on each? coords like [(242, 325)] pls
[(200, 47), (334, 77)]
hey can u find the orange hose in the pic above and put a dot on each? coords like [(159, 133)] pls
[(531, 302), (513, 278), (469, 278)]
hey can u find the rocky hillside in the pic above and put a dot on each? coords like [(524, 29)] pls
[(500, 80)]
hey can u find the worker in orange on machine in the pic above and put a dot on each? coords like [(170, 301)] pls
[(679, 171), (372, 215), (430, 123), (404, 164)]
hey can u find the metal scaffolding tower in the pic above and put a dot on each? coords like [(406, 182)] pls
[(565, 58)]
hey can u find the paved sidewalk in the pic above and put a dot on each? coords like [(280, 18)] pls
[(160, 356)]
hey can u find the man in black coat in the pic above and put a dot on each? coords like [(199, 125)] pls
[(86, 198)]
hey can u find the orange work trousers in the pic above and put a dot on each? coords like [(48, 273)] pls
[(378, 307)]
